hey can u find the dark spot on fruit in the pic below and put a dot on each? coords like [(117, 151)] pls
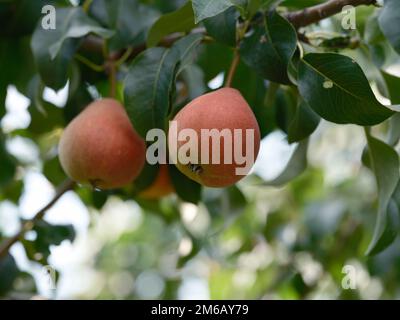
[(195, 168)]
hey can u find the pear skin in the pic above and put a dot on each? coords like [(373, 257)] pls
[(222, 109), (100, 147)]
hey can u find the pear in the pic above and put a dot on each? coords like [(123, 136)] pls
[(226, 111), (100, 147)]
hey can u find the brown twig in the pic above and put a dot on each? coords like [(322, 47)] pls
[(299, 19), (28, 225), (95, 44), (324, 10), (113, 79)]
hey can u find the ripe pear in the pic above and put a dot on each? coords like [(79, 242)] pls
[(101, 147), (222, 109), (161, 186)]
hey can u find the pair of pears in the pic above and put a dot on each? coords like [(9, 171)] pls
[(100, 146)]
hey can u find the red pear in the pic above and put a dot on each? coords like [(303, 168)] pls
[(224, 110), (100, 147)]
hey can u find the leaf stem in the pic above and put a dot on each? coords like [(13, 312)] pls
[(124, 57), (90, 64)]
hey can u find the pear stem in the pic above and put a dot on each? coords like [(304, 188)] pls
[(232, 69), (113, 79), (240, 34)]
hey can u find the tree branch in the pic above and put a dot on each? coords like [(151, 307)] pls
[(324, 10), (299, 19), (28, 225)]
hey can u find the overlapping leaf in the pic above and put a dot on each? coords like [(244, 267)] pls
[(384, 162), (150, 83), (222, 27), (303, 124), (209, 8), (336, 88), (181, 20), (130, 20), (296, 166), (8, 165), (187, 189), (53, 49), (388, 20), (268, 50)]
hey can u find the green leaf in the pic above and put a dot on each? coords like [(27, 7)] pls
[(129, 18), (53, 234), (394, 130), (47, 119), (303, 124), (54, 72), (12, 192), (185, 188), (209, 8), (8, 273), (295, 167), (53, 171), (20, 66), (46, 236), (248, 8), (8, 166), (77, 101), (214, 59), (147, 176), (3, 95), (148, 88), (336, 88), (19, 17), (393, 85), (372, 32), (77, 25), (150, 83), (384, 161), (225, 202), (269, 51), (186, 48), (388, 20), (194, 78), (255, 5), (253, 88), (285, 107), (222, 27), (99, 198), (181, 20)]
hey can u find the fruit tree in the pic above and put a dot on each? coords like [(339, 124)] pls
[(243, 148)]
